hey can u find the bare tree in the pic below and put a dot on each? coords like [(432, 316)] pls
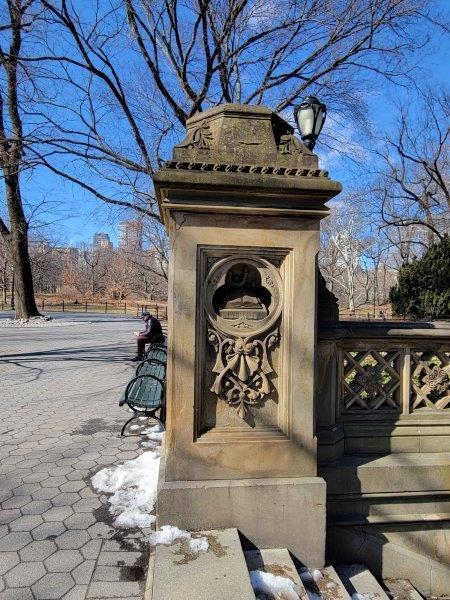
[(343, 258), (95, 264), (138, 69), (5, 270), (413, 188), (17, 18)]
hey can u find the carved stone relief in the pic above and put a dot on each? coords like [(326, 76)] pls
[(243, 302), (199, 137), (289, 144)]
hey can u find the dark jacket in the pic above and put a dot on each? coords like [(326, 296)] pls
[(153, 329)]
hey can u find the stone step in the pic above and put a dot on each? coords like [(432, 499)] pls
[(278, 562), (388, 560), (323, 583), (359, 580), (218, 573), (394, 473), (401, 589), (331, 586)]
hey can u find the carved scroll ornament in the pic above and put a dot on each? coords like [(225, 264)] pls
[(243, 303), (242, 367)]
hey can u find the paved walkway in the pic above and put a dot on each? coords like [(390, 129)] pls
[(59, 424)]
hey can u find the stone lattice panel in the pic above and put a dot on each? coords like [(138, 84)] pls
[(430, 380), (371, 381)]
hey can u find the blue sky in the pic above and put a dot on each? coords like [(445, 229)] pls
[(74, 215)]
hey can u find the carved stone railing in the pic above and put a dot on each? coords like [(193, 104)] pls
[(379, 381)]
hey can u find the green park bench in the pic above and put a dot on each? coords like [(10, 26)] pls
[(145, 393)]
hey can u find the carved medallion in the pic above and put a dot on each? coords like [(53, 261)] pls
[(243, 303)]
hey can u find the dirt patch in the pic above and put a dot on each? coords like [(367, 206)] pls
[(91, 426)]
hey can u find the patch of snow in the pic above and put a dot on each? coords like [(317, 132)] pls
[(169, 534), (134, 427), (360, 597), (41, 321), (200, 544), (273, 586), (310, 576), (309, 581), (133, 487)]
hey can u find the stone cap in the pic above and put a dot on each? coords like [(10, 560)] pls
[(243, 135), (243, 159), (433, 330)]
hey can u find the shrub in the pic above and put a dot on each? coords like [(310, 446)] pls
[(423, 287)]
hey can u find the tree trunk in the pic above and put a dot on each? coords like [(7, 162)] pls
[(24, 302)]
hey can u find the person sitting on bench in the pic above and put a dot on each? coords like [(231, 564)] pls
[(153, 334)]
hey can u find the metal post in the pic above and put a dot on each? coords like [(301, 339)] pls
[(106, 307), (85, 307), (42, 304), (63, 305), (125, 308)]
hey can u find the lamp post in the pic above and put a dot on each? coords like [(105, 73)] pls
[(310, 116)]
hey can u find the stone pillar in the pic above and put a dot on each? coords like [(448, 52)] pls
[(242, 200)]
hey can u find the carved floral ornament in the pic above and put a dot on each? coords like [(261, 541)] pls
[(243, 302), (437, 379), (199, 137)]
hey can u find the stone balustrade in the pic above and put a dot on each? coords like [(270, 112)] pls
[(383, 387)]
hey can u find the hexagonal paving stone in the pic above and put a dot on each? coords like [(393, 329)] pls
[(39, 550), (72, 540), (53, 586), (35, 477), (48, 530), (58, 513), (17, 594), (72, 486), (76, 593), (36, 507), (57, 471), (45, 494), (80, 521), (101, 530), (16, 502), (86, 505), (5, 495), (63, 561), (65, 499), (14, 541), (6, 516), (53, 481), (26, 489), (83, 573), (8, 561), (92, 549), (26, 523), (25, 574)]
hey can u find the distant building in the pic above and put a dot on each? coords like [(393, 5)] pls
[(66, 252), (101, 241), (130, 235)]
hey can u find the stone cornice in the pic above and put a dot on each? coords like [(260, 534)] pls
[(251, 169)]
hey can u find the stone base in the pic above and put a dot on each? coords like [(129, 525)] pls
[(271, 513)]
